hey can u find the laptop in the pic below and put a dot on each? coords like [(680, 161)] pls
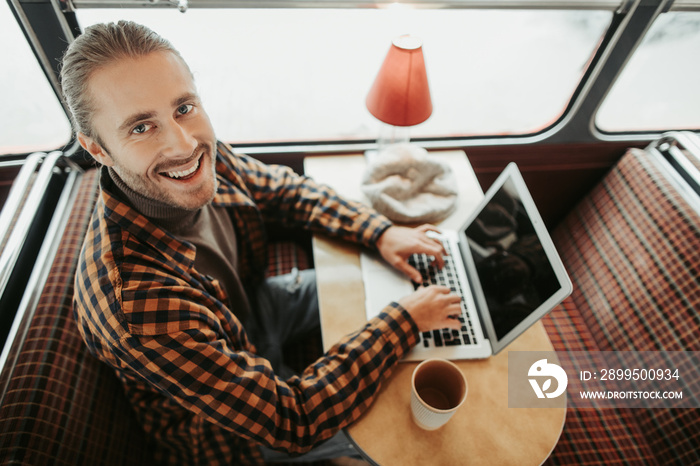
[(501, 261)]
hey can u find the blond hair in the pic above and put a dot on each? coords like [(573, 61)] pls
[(98, 46)]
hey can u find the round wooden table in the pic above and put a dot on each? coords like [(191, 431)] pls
[(484, 430)]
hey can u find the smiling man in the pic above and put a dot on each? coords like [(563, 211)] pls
[(170, 291), (153, 130)]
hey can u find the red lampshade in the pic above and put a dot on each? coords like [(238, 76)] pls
[(400, 95)]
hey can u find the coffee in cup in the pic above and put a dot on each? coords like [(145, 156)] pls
[(438, 388)]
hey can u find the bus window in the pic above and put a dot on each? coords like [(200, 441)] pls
[(32, 118), (657, 89), (290, 75)]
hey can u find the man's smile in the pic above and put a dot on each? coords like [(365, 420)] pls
[(185, 172)]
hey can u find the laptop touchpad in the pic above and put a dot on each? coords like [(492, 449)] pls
[(383, 283)]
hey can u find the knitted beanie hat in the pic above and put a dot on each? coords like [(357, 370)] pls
[(407, 186)]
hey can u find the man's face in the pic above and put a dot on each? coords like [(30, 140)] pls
[(153, 130)]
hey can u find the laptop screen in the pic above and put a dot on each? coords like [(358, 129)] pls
[(514, 269)]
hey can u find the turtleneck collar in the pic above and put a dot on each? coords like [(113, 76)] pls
[(165, 216)]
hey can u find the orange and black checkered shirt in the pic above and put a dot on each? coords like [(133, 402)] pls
[(197, 385)]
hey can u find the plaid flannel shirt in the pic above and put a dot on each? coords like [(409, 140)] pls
[(200, 391)]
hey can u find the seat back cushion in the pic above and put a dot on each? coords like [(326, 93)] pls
[(632, 249), (62, 406)]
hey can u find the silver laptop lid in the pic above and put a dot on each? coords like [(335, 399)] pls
[(515, 272)]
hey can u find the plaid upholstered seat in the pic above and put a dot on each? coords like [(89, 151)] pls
[(61, 405), (631, 248), (64, 407)]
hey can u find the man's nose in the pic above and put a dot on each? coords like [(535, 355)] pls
[(179, 142)]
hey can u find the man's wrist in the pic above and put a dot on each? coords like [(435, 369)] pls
[(379, 234)]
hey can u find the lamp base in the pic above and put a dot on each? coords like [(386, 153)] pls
[(371, 155), (389, 135)]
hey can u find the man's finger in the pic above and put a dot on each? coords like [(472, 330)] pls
[(428, 227), (453, 324), (441, 289), (435, 246), (436, 257), (432, 243), (409, 271)]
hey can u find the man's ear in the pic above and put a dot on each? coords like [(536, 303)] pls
[(95, 149)]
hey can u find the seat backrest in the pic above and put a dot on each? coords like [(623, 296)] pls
[(632, 248), (60, 405)]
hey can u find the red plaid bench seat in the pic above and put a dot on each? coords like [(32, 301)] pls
[(61, 406), (632, 248)]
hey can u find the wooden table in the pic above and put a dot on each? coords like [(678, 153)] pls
[(485, 430)]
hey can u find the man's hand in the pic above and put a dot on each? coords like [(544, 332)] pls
[(433, 307), (397, 244)]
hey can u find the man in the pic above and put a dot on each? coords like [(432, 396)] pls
[(169, 290)]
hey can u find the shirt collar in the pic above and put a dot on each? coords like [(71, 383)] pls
[(169, 217), (118, 211), (231, 192)]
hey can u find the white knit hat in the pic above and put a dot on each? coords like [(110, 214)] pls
[(405, 184)]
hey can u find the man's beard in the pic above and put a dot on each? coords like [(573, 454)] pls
[(144, 186)]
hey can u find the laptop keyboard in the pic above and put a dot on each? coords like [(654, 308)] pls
[(447, 276)]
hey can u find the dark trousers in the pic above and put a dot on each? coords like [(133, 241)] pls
[(286, 308)]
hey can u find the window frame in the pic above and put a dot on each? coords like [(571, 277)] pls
[(630, 22)]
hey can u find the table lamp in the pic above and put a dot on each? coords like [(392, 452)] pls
[(400, 96), (400, 180)]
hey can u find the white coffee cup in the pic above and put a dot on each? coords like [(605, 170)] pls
[(438, 388)]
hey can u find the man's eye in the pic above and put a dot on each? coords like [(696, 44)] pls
[(184, 108), (142, 128)]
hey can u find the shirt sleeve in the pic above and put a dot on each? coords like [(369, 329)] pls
[(200, 370), (294, 200)]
